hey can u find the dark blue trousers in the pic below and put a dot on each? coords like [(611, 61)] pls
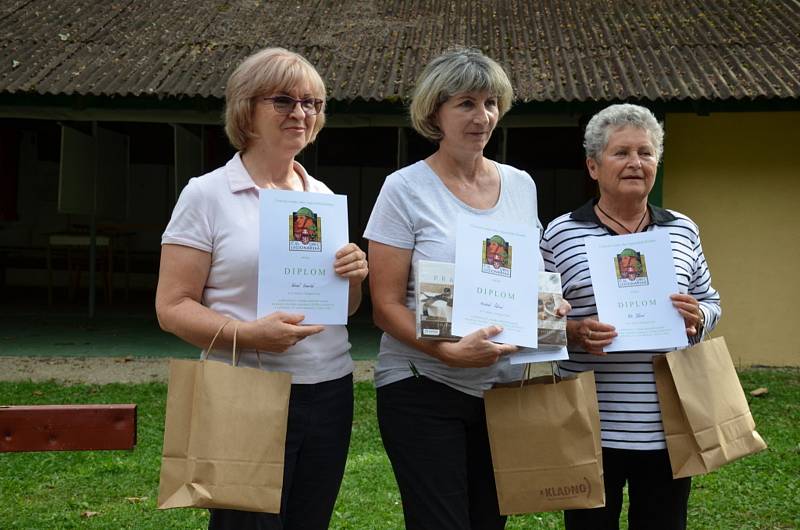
[(317, 440), (657, 502), (437, 441)]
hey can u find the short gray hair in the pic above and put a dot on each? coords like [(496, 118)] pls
[(455, 71), (615, 117)]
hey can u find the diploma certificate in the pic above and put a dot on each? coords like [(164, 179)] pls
[(496, 279), (552, 337), (299, 235), (633, 276)]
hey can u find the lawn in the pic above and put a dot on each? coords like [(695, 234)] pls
[(118, 489)]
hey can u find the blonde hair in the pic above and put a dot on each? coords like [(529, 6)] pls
[(456, 71), (266, 72)]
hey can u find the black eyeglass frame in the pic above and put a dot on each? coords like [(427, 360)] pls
[(278, 103)]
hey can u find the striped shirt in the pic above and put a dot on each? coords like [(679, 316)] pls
[(630, 415)]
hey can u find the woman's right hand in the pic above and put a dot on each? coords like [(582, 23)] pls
[(475, 350), (275, 332), (590, 334)]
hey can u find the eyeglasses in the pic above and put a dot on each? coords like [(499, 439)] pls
[(286, 104)]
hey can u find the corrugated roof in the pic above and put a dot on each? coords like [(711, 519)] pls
[(554, 50)]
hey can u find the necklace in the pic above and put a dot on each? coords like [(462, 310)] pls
[(638, 226)]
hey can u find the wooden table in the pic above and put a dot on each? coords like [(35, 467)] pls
[(82, 242)]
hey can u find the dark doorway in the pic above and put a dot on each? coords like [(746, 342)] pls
[(554, 158), (355, 162)]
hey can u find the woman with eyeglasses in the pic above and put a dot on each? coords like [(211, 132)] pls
[(274, 106)]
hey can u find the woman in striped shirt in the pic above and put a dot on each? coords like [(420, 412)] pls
[(623, 147)]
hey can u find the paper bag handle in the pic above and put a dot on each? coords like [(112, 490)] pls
[(526, 373), (234, 362)]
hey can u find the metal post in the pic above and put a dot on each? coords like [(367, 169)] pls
[(92, 256), (402, 147), (502, 150)]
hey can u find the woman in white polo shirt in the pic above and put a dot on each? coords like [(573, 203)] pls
[(274, 104)]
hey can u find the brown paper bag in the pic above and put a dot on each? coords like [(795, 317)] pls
[(545, 440), (707, 422), (224, 436)]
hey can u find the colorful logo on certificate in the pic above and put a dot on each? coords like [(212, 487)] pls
[(496, 257), (630, 268), (305, 231)]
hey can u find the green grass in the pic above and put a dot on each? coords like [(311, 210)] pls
[(53, 490)]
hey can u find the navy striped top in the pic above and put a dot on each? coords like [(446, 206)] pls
[(630, 415)]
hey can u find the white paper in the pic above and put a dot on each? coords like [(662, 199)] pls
[(300, 233), (633, 276), (552, 328), (496, 279)]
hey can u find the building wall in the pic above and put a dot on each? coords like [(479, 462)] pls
[(737, 176)]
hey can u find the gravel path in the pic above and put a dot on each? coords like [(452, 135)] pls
[(104, 370)]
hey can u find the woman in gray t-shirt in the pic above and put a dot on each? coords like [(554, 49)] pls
[(430, 404)]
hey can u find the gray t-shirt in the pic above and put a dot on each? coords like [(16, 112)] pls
[(415, 210)]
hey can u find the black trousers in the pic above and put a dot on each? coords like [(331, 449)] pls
[(657, 501), (317, 440), (436, 439)]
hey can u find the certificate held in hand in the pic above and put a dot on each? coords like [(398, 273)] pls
[(496, 279), (299, 235), (633, 276)]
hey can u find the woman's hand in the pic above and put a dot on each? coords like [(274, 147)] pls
[(475, 350), (351, 263), (590, 334), (563, 309), (391, 266), (182, 278), (275, 332), (689, 308)]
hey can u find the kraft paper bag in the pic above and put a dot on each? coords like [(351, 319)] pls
[(545, 441), (707, 422), (224, 436)]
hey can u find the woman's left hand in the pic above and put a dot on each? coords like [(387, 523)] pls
[(563, 309), (351, 263), (689, 308)]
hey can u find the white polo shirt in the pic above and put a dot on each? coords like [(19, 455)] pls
[(218, 213)]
